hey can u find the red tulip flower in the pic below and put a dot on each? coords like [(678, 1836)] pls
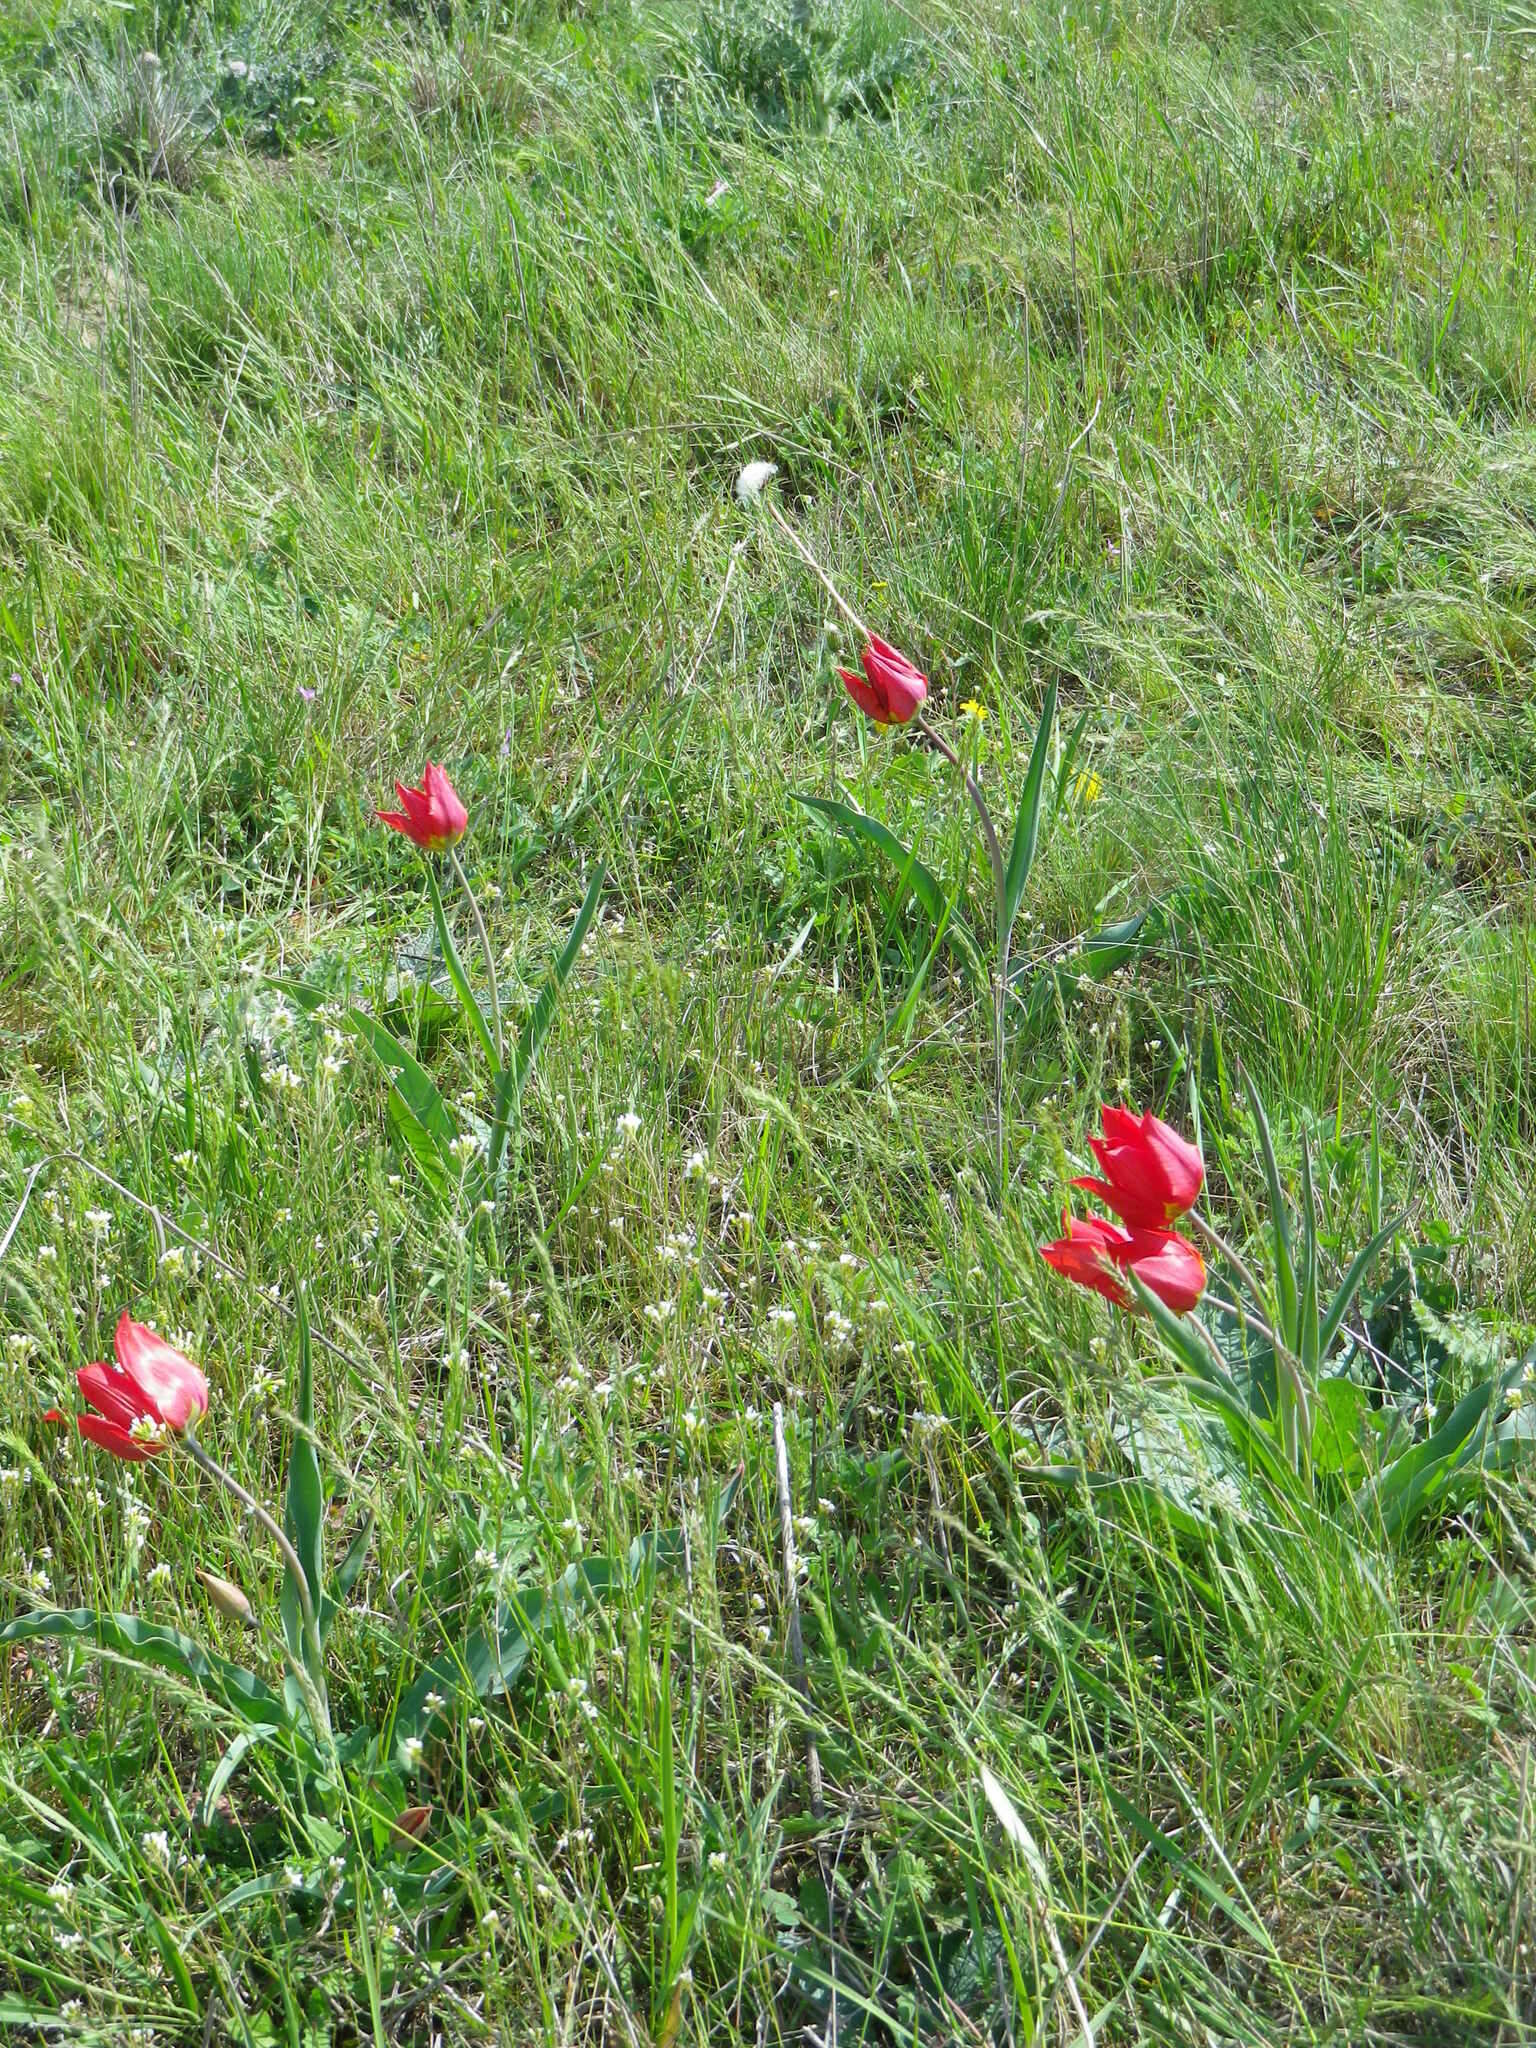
[(147, 1396), (890, 691), (432, 817), (1095, 1254), (1086, 1255), (1151, 1174)]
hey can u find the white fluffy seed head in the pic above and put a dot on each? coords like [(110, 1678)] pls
[(750, 482)]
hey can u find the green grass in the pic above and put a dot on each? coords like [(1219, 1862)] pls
[(411, 365)]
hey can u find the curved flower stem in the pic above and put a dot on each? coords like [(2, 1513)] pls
[(935, 739), (310, 1674), (485, 947)]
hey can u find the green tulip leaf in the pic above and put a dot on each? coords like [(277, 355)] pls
[(124, 1639)]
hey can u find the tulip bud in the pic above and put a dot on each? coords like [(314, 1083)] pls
[(227, 1598), (412, 1824)]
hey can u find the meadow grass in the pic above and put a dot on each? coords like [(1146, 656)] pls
[(376, 381)]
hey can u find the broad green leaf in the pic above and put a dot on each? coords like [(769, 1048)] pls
[(468, 1000), (1094, 957), (1026, 828), (347, 1574), (124, 1639), (175, 1962), (1349, 1287), (417, 1110), (226, 1767), (487, 1664), (304, 1509), (1285, 1270), (1412, 1482), (1338, 1428), (923, 883)]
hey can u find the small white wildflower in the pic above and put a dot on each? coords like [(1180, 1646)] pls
[(69, 1938), (156, 1845), (293, 1877), (464, 1147), (332, 1067), (782, 1315), (498, 1290), (99, 1222), (412, 1749), (72, 2009), (159, 1574), (434, 1703), (714, 1297), (46, 1254), (629, 1124), (490, 1922), (717, 1860), (61, 1891), (184, 1161), (752, 479), (659, 1311), (696, 1166)]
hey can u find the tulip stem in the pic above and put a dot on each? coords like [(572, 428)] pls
[(310, 1669), (1295, 1395), (485, 947), (937, 741)]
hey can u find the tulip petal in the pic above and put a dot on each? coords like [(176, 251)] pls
[(111, 1436), (174, 1389), (112, 1393), (869, 700)]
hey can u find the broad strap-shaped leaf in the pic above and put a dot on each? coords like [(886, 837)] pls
[(417, 1109), (1412, 1482), (1093, 957), (488, 1662), (224, 1770), (1285, 1267), (1349, 1287), (468, 1000), (1026, 826), (304, 1508), (924, 884), (347, 1574), (125, 1639), (513, 1078)]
